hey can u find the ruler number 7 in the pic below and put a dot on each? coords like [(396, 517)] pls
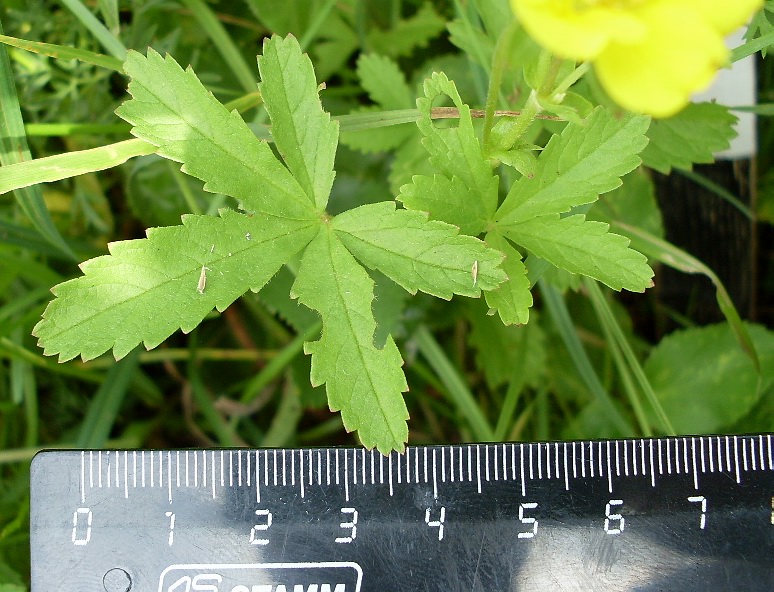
[(700, 499)]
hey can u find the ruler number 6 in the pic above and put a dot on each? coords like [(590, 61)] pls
[(614, 518)]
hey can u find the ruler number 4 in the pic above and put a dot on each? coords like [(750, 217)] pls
[(436, 523)]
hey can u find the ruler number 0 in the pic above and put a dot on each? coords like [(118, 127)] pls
[(614, 518), (80, 516)]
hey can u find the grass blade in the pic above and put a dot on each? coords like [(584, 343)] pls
[(613, 329), (561, 317), (63, 52), (14, 149), (668, 254), (104, 408), (109, 41), (225, 45), (70, 164), (456, 388)]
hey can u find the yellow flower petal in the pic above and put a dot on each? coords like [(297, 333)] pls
[(725, 16), (572, 33), (679, 56)]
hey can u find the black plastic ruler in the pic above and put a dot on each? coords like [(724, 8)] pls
[(684, 513)]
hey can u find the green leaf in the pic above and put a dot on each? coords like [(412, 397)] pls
[(633, 203), (407, 34), (584, 247), (419, 254), (501, 349), (172, 110), (384, 82), (304, 133), (449, 200), (512, 299), (64, 52), (148, 288), (691, 136), (704, 382), (455, 152), (363, 382), (578, 165)]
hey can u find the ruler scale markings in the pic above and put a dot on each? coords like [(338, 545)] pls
[(736, 460), (443, 464), (435, 479), (461, 479), (711, 456), (566, 472), (728, 452), (126, 474), (109, 466), (642, 458), (599, 459), (169, 476), (346, 476), (540, 463), (505, 462), (204, 468), (701, 455), (212, 468), (196, 469), (285, 468), (762, 463), (223, 468), (478, 467), (416, 465), (521, 460), (617, 460), (496, 465), (771, 455), (574, 464), (389, 471), (660, 458), (652, 468), (337, 467), (626, 458), (301, 471), (319, 467), (744, 453), (239, 468), (531, 470), (693, 460), (470, 466), (583, 460), (257, 478), (556, 459), (425, 464), (249, 471), (99, 469), (177, 469), (677, 456), (685, 454), (328, 466), (83, 476), (609, 470), (668, 457), (118, 466), (161, 469), (381, 469), (354, 467), (187, 480), (275, 472), (152, 472), (91, 469), (486, 461), (397, 467), (310, 468), (513, 462), (373, 467), (363, 465), (591, 458), (134, 469)]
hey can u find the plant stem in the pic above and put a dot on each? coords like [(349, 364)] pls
[(499, 62)]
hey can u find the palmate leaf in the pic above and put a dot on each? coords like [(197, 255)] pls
[(465, 193), (584, 247), (419, 254), (171, 109), (363, 382), (578, 165), (146, 289), (304, 133)]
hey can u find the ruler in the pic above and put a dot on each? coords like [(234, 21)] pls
[(684, 513)]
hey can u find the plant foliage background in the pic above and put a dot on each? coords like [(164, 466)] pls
[(393, 252)]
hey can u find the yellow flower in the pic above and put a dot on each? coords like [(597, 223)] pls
[(650, 55)]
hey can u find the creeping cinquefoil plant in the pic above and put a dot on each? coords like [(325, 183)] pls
[(452, 231)]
